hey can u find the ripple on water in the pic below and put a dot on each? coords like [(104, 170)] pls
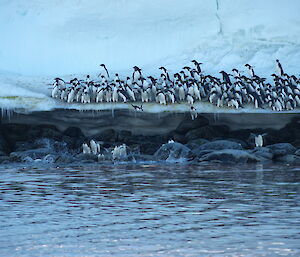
[(150, 210)]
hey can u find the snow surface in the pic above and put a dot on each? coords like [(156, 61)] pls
[(44, 39)]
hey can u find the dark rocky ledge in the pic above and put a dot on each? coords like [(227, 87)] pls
[(57, 136)]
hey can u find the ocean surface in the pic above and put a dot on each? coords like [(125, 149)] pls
[(167, 209)]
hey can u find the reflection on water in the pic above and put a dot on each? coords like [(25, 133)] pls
[(150, 210)]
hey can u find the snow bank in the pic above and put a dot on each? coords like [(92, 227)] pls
[(44, 39)]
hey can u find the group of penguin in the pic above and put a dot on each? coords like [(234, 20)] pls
[(118, 153), (188, 85)]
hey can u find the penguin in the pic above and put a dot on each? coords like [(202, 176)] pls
[(136, 74), (190, 99), (197, 65), (259, 140), (86, 149), (104, 72), (85, 97), (226, 78), (55, 92), (250, 70), (194, 113), (100, 95), (71, 96), (93, 147), (161, 98), (122, 95), (279, 68), (137, 108), (181, 92), (130, 93)]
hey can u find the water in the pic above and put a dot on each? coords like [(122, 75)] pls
[(150, 210)]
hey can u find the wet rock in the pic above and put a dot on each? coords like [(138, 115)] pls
[(86, 157), (73, 132), (262, 153), (220, 145), (108, 135), (297, 152), (125, 136), (172, 151), (193, 144), (290, 159), (4, 159), (3, 146), (282, 149), (149, 148), (33, 154), (229, 156), (206, 132), (189, 124), (48, 131)]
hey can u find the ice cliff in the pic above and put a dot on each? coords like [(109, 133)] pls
[(43, 39)]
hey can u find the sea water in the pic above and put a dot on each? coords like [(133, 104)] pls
[(158, 209)]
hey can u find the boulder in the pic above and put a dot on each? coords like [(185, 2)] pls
[(219, 145), (33, 154), (282, 149), (297, 152), (73, 132), (173, 151), (289, 159), (262, 153), (229, 156)]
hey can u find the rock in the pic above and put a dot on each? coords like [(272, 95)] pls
[(206, 132), (290, 159), (230, 156), (3, 145), (220, 145), (149, 148), (73, 132), (34, 154), (108, 135), (193, 144), (262, 153), (282, 149), (85, 157), (4, 159), (172, 151), (189, 124), (297, 152), (49, 131), (125, 136)]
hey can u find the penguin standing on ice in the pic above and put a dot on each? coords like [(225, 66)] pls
[(105, 71), (197, 65), (137, 73), (250, 70), (226, 78), (279, 68)]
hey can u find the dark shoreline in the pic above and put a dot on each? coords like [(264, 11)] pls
[(34, 138)]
